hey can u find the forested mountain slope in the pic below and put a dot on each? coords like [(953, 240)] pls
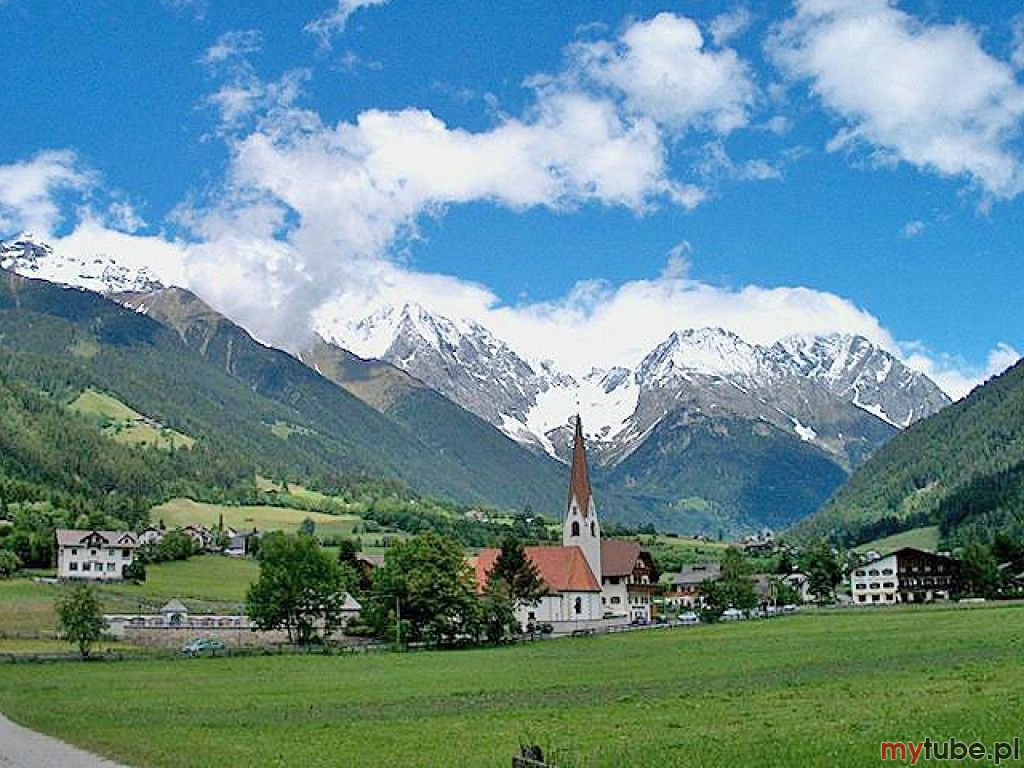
[(258, 407), (961, 468)]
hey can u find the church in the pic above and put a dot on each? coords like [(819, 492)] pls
[(589, 582)]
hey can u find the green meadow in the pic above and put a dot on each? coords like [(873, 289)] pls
[(182, 512), (926, 538), (815, 689), (205, 583)]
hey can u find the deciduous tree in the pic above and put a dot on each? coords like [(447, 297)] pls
[(300, 589), (80, 617)]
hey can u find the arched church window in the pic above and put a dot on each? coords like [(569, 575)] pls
[(579, 605), (575, 528)]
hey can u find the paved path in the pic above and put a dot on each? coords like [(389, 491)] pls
[(22, 748)]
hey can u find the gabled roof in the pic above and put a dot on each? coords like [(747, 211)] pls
[(695, 574), (374, 561), (174, 606), (563, 569), (67, 537), (618, 556), (579, 477)]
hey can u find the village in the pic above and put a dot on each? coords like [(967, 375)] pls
[(589, 584)]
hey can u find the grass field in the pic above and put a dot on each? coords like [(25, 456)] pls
[(926, 538), (181, 512), (814, 689), (124, 424), (208, 583)]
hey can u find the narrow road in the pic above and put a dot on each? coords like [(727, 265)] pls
[(22, 748)]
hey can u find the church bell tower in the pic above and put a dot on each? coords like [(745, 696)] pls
[(581, 528)]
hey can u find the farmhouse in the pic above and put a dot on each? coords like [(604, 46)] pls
[(685, 590), (587, 580), (907, 575), (628, 580), (94, 555)]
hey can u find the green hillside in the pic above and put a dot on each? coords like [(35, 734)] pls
[(528, 478), (250, 408), (961, 469), (418, 435)]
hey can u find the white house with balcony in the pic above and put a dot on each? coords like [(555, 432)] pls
[(908, 575), (94, 555)]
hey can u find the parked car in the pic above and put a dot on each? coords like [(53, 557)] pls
[(732, 614), (790, 608), (203, 645), (688, 619)]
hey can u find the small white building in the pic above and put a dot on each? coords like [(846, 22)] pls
[(94, 555)]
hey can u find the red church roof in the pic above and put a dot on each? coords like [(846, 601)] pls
[(564, 569), (579, 477)]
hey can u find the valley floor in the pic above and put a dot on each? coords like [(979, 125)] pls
[(814, 689)]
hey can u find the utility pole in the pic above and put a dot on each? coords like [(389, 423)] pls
[(398, 621)]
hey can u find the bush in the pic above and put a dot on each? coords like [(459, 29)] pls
[(9, 564), (135, 571)]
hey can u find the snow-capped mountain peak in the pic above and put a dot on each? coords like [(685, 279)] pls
[(871, 378), (31, 257)]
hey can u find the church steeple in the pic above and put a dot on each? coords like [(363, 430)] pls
[(580, 527), (579, 476)]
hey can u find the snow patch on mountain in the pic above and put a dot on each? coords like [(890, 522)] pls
[(30, 257)]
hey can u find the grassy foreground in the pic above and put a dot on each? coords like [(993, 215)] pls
[(813, 689)]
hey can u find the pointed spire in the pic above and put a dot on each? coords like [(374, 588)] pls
[(579, 477)]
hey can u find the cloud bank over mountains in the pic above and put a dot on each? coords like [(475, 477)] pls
[(311, 216)]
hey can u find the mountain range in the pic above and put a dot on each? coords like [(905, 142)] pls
[(707, 432)]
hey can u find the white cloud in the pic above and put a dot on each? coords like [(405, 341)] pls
[(123, 217), (913, 228), (231, 45), (726, 26), (93, 237), (663, 71), (31, 190), (333, 21), (954, 376), (332, 198), (925, 94), (1017, 45)]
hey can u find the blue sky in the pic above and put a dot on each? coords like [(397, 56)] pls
[(866, 150)]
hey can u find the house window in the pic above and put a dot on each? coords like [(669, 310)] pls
[(862, 573), (872, 572), (887, 571), (575, 528), (862, 586), (92, 552), (616, 600), (888, 585), (875, 585), (110, 567), (532, 615), (593, 528), (578, 607), (72, 566), (85, 566), (126, 552), (861, 598)]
